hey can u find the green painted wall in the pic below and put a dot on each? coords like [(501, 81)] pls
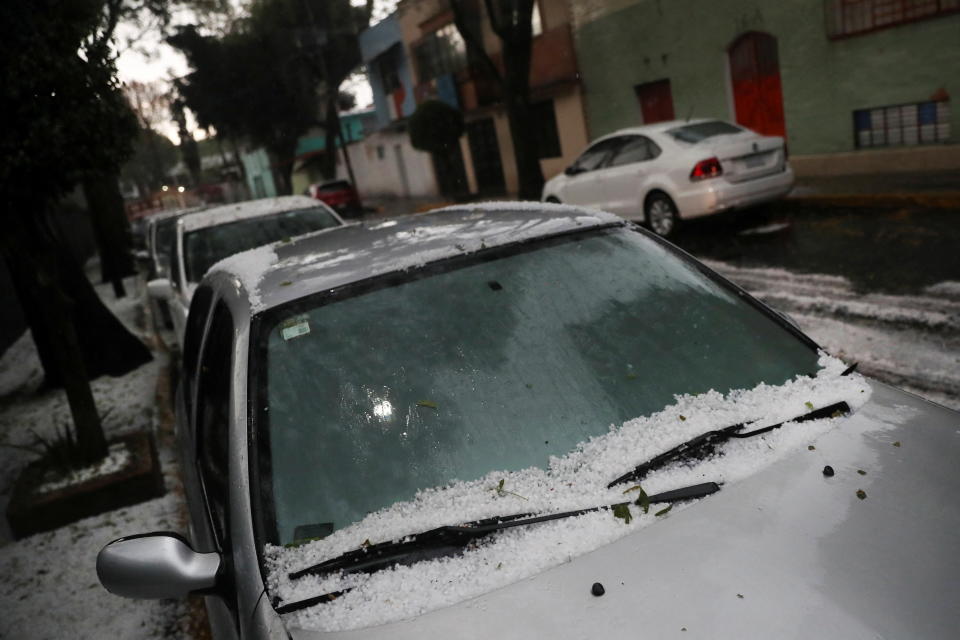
[(824, 80), (256, 165)]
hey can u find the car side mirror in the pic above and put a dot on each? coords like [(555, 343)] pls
[(154, 566), (160, 289), (572, 170)]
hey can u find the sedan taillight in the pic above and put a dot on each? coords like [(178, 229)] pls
[(709, 168)]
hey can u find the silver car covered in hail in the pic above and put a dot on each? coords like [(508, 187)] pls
[(452, 324)]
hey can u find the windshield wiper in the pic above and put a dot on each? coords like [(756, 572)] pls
[(703, 444), (451, 539)]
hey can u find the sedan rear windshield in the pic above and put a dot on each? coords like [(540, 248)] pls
[(694, 133), (497, 362), (205, 247)]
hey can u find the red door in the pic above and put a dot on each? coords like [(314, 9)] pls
[(656, 101), (755, 74)]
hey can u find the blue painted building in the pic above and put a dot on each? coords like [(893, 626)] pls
[(388, 68), (354, 127)]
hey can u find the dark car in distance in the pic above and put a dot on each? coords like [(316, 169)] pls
[(339, 195)]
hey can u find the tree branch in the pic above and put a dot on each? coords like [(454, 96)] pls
[(495, 23), (474, 45), (114, 9)]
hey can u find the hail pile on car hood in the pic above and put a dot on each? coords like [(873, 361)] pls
[(574, 481)]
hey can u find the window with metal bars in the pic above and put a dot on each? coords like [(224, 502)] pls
[(903, 124), (853, 17)]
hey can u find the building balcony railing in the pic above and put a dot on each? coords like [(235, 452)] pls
[(854, 17)]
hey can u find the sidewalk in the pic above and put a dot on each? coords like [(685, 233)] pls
[(50, 587), (933, 189)]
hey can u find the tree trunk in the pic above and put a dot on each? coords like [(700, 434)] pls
[(523, 130), (245, 188), (282, 159), (156, 165), (110, 228), (51, 314), (346, 161), (190, 152), (513, 26), (105, 345), (328, 162)]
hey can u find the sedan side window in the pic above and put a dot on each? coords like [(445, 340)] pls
[(654, 149), (597, 155), (213, 423), (193, 334), (175, 269), (635, 149)]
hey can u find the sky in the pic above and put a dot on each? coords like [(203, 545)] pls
[(150, 60)]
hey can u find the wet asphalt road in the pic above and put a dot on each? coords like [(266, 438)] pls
[(889, 250)]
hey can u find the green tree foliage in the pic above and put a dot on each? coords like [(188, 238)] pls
[(274, 75), (435, 126), (153, 156), (248, 85), (67, 122), (189, 149), (153, 153), (66, 114)]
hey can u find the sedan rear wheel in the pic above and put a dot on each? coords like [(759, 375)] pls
[(661, 214)]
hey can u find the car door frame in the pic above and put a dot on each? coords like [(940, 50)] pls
[(256, 617), (180, 300), (626, 184), (583, 188), (223, 606)]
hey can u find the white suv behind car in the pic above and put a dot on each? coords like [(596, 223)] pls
[(669, 171)]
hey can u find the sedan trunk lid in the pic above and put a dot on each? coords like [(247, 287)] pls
[(749, 156)]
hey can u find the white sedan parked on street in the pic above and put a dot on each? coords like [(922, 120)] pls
[(671, 171), (204, 238)]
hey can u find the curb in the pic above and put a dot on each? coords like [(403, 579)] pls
[(934, 200)]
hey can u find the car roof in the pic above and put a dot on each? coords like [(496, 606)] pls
[(283, 271), (160, 216), (658, 127), (248, 209)]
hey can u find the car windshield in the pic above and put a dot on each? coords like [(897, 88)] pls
[(205, 247), (492, 364), (694, 133)]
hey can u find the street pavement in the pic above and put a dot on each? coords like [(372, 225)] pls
[(898, 250), (911, 342), (872, 276)]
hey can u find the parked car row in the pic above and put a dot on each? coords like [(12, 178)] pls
[(337, 386), (185, 244)]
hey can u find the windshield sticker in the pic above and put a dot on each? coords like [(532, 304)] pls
[(295, 327)]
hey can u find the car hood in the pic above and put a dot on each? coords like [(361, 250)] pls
[(785, 553)]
